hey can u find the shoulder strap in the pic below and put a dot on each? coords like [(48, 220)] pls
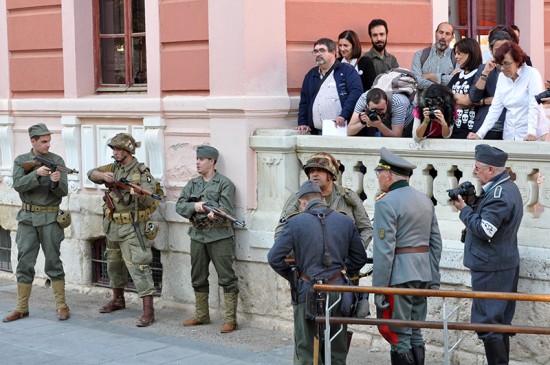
[(327, 259), (425, 55), (324, 78), (453, 59)]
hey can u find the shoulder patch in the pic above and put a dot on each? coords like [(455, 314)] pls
[(285, 217), (498, 192), (381, 234), (380, 196)]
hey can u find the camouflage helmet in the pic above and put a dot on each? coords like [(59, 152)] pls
[(124, 141), (325, 161)]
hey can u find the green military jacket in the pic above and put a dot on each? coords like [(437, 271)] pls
[(220, 191), (340, 199), (125, 202), (35, 190)]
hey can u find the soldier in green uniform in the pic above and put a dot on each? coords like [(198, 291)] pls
[(128, 245), (41, 191), (211, 238), (322, 169)]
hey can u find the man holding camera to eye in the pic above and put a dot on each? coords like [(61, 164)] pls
[(491, 246), (376, 115)]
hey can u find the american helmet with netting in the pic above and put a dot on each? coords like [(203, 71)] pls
[(325, 161), (124, 141)]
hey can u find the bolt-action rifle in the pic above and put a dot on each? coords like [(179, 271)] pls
[(41, 161), (220, 213), (125, 184)]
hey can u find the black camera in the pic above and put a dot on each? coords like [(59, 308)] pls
[(432, 111), (373, 114), (466, 190), (544, 94)]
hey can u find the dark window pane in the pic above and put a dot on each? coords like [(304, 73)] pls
[(139, 60), (113, 67), (138, 16), (111, 16)]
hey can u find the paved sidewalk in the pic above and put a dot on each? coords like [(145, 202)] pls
[(89, 337)]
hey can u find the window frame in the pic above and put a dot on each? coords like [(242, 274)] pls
[(129, 86), (473, 30)]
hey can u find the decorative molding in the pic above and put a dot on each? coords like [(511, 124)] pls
[(6, 149), (153, 145), (71, 138)]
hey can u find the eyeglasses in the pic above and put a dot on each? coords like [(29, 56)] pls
[(477, 168), (505, 64), (319, 51)]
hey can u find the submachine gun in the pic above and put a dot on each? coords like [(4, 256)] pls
[(41, 161), (220, 213)]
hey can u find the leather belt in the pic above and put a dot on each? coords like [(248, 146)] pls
[(40, 208), (333, 278), (418, 249)]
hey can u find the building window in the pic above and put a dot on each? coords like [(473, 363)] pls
[(5, 250), (474, 18), (99, 267), (120, 52)]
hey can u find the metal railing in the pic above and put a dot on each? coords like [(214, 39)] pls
[(445, 325)]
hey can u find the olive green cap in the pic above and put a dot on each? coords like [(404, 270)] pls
[(38, 130), (207, 152), (390, 161)]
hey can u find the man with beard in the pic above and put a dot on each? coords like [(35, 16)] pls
[(382, 60), (436, 64), (322, 89)]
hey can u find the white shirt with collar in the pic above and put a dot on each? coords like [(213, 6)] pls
[(523, 115)]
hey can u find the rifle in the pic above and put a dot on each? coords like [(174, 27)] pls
[(125, 184), (41, 161), (220, 213)]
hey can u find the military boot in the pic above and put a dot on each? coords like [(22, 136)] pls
[(402, 359), (495, 350), (115, 304), (22, 308), (230, 318), (202, 315), (58, 287), (148, 316)]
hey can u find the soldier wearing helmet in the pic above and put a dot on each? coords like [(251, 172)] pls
[(322, 169), (126, 218)]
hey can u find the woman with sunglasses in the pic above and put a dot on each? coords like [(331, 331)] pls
[(516, 88)]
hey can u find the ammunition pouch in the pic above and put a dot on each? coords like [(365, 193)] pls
[(151, 230), (126, 218), (315, 302), (63, 219)]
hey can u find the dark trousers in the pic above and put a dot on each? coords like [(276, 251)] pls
[(494, 311)]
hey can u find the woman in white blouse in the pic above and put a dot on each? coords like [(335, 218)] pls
[(516, 88)]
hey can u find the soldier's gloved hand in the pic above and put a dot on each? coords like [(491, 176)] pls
[(380, 301)]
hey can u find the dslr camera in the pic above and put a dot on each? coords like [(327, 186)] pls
[(434, 104), (372, 114), (466, 190), (544, 94)]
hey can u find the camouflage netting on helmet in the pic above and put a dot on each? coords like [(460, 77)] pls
[(124, 141), (325, 161)]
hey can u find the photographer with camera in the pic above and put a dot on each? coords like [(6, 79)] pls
[(375, 115), (491, 246), (436, 107)]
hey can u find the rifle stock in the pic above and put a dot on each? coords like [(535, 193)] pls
[(220, 213), (125, 184)]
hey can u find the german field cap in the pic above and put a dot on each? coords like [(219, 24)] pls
[(38, 130), (308, 187), (207, 152), (491, 155), (390, 161)]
